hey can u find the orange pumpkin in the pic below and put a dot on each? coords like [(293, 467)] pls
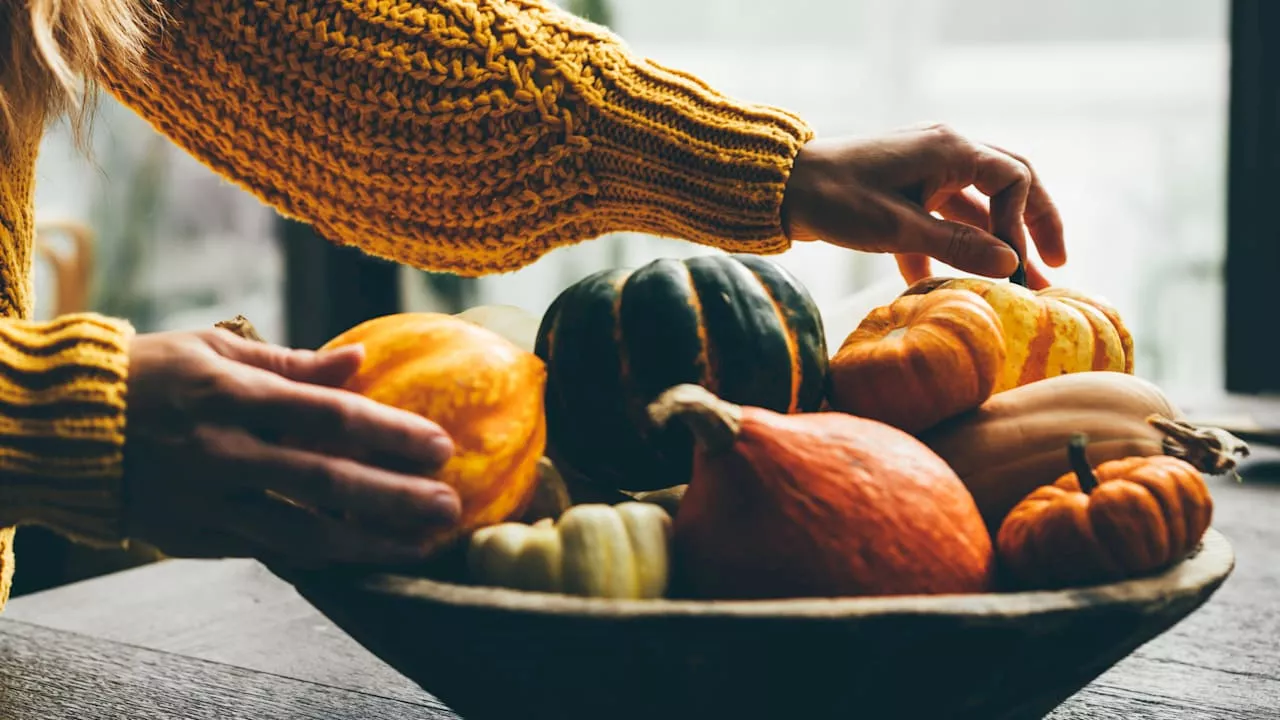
[(1125, 518), (817, 505), (486, 392), (1047, 333), (919, 360)]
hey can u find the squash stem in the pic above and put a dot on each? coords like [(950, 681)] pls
[(714, 423), (1080, 463), (1208, 449), (1019, 276)]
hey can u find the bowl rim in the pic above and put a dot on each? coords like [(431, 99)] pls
[(1207, 566)]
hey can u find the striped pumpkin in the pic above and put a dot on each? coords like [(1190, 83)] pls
[(1047, 333), (739, 325)]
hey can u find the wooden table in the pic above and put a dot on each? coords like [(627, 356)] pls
[(227, 639)]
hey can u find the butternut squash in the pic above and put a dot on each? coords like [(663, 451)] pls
[(1013, 443)]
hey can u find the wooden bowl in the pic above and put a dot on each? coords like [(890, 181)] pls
[(493, 653)]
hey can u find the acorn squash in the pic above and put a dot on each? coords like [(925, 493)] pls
[(739, 325)]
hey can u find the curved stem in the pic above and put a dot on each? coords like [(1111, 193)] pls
[(714, 423), (1080, 463)]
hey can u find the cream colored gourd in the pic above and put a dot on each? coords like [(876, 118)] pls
[(595, 550)]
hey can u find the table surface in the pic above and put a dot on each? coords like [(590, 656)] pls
[(227, 639)]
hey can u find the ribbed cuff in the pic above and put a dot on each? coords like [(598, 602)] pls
[(674, 157), (62, 425)]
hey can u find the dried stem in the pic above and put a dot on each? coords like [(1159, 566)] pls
[(241, 326), (1211, 450)]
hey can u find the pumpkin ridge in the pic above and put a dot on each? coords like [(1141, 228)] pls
[(588, 366), (745, 347), (803, 320), (1038, 349), (1156, 480), (793, 350), (709, 362), (1111, 513), (626, 382)]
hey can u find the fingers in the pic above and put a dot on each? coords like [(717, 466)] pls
[(1041, 217), (959, 245), (913, 267), (397, 501), (329, 367), (302, 537), (1007, 183), (322, 417)]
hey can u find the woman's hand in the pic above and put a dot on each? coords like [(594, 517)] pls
[(876, 195), (206, 451)]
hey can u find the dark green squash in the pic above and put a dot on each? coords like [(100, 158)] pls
[(741, 326)]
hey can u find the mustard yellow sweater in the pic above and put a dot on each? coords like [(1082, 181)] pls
[(470, 136)]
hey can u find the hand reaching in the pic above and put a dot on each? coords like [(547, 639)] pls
[(876, 195)]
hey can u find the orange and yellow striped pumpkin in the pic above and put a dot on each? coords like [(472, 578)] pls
[(1051, 332)]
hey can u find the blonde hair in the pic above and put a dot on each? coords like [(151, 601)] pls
[(55, 52)]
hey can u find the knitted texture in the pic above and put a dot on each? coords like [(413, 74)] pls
[(62, 420), (461, 135)]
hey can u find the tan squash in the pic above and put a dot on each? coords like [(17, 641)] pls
[(1014, 442)]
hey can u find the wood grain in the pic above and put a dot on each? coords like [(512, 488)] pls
[(50, 675)]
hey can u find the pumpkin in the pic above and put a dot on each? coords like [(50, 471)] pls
[(919, 360), (739, 325), (1046, 334), (1126, 517), (1012, 443), (610, 551), (485, 392), (817, 505)]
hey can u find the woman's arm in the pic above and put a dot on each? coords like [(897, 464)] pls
[(459, 135)]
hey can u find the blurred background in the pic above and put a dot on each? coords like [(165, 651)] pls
[(1123, 107)]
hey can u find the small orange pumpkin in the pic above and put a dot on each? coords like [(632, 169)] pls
[(485, 392), (1125, 518), (919, 360)]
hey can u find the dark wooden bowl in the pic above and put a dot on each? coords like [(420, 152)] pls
[(491, 653)]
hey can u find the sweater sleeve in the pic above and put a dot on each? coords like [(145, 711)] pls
[(62, 424), (469, 136)]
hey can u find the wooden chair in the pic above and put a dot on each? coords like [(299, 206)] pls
[(47, 558)]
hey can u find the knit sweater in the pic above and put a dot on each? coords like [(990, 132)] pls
[(468, 136)]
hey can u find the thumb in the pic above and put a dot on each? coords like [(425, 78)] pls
[(330, 368), (963, 247)]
